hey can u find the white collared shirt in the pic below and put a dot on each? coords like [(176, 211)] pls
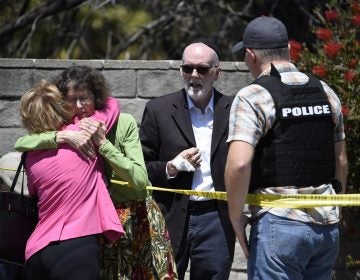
[(202, 125)]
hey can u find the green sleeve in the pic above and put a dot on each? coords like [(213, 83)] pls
[(45, 140), (125, 155)]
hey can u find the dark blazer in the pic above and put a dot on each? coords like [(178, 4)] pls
[(166, 131)]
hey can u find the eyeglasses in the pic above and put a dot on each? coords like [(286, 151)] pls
[(82, 100), (202, 70)]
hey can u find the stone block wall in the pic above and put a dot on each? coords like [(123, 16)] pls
[(133, 83)]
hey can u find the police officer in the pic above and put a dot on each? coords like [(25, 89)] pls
[(286, 136)]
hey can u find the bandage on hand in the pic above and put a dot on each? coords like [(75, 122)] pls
[(181, 164)]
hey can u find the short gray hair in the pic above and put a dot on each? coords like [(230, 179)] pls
[(268, 55)]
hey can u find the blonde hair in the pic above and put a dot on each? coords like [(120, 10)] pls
[(44, 108)]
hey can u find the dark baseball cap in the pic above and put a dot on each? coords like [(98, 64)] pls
[(263, 33)]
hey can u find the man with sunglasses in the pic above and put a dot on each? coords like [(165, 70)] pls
[(183, 135)]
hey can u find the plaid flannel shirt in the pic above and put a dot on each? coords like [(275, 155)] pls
[(253, 115)]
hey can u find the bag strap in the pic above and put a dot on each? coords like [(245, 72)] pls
[(22, 160)]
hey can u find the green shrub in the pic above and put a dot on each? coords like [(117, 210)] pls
[(334, 58)]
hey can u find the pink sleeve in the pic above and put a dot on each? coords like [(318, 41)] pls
[(109, 114)]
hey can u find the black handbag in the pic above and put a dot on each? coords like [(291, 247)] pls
[(18, 218)]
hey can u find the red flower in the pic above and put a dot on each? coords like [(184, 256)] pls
[(353, 62), (355, 20), (331, 15), (295, 45), (295, 50), (345, 110), (349, 75), (331, 49), (355, 8), (324, 34), (319, 70)]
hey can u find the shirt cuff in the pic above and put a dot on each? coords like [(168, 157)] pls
[(105, 147), (168, 177)]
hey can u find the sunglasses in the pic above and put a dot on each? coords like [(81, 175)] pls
[(202, 70)]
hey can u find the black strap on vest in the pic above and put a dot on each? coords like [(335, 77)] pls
[(299, 149)]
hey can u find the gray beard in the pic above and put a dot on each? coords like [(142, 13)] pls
[(194, 96)]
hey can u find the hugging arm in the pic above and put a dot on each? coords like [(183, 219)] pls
[(126, 157), (78, 139)]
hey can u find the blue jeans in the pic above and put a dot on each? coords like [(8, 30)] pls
[(286, 249)]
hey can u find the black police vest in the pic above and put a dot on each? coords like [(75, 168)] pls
[(299, 149)]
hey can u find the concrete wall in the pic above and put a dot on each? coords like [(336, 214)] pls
[(132, 82)]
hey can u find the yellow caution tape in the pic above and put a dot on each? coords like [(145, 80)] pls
[(303, 200), (10, 169), (212, 195), (268, 200), (273, 200)]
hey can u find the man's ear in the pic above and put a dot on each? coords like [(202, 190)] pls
[(218, 73), (251, 54)]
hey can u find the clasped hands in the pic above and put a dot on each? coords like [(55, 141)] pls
[(91, 135)]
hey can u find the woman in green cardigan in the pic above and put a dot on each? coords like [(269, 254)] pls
[(145, 251)]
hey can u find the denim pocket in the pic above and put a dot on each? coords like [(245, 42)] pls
[(289, 240)]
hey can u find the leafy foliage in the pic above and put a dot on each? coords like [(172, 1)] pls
[(335, 58), (135, 29)]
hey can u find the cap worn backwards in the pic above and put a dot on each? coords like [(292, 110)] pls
[(263, 33)]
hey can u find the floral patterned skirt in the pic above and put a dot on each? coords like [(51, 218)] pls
[(145, 251)]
